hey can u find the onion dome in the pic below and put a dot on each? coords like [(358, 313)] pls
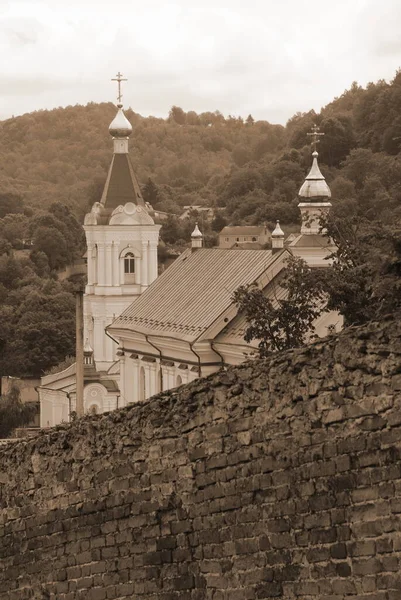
[(87, 347), (120, 127), (196, 238), (196, 232), (278, 232), (315, 187)]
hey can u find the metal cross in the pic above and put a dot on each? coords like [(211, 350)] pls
[(119, 78), (315, 134)]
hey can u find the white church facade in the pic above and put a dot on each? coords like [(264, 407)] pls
[(145, 334)]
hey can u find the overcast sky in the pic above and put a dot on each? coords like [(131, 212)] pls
[(270, 58)]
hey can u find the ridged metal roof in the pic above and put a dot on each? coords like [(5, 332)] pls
[(191, 294), (235, 330), (121, 184)]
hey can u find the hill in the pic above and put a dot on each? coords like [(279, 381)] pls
[(251, 170), (53, 165)]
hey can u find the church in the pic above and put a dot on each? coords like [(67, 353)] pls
[(145, 334)]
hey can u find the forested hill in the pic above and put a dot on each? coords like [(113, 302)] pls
[(251, 169), (53, 165)]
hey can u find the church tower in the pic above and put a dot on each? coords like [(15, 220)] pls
[(315, 194), (122, 241), (314, 203)]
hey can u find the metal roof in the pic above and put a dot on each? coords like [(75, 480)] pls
[(311, 240), (121, 185), (315, 185), (191, 294)]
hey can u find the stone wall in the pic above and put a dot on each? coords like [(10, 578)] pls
[(276, 479)]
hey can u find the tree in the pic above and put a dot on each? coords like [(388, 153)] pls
[(338, 140), (150, 192), (177, 115), (280, 324), (10, 203), (364, 282), (40, 331), (218, 222), (52, 243), (14, 413), (13, 227), (249, 120)]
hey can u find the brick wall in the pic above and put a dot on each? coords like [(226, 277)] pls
[(275, 479)]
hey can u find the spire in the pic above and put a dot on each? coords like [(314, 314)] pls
[(121, 184), (120, 128), (314, 194), (315, 186), (196, 238)]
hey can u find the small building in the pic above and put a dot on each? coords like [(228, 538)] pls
[(204, 212), (231, 236)]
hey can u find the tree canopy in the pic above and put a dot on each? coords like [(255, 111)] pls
[(13, 412)]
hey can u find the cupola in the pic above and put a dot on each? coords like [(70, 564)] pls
[(314, 194), (196, 238), (315, 187), (120, 127), (277, 238)]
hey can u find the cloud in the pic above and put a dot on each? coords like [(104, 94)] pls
[(265, 57), (21, 31)]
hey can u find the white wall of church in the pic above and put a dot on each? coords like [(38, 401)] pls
[(112, 251), (141, 379), (54, 408)]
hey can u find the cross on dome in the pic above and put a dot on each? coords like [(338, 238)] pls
[(315, 134), (119, 78)]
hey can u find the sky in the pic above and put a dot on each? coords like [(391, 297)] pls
[(270, 58)]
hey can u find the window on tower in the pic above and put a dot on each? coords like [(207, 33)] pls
[(129, 263)]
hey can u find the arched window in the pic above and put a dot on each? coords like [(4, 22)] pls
[(128, 267), (129, 263), (178, 381), (254, 239)]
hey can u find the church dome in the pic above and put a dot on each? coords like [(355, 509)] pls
[(196, 234), (120, 127), (277, 232), (315, 186)]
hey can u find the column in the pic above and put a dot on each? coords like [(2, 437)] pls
[(98, 339), (144, 264), (152, 261), (122, 399), (134, 387), (116, 266), (108, 264), (100, 264), (111, 346), (91, 246)]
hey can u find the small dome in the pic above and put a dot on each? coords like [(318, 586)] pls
[(196, 232), (315, 186), (87, 347), (120, 127), (278, 232)]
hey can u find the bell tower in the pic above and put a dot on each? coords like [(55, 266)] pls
[(122, 241)]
